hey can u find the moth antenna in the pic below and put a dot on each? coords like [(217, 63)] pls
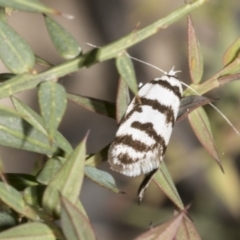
[(149, 64), (174, 72)]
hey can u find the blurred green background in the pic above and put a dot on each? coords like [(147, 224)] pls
[(214, 196)]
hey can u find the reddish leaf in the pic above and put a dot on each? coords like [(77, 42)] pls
[(165, 231), (228, 78), (123, 99), (194, 54), (187, 230)]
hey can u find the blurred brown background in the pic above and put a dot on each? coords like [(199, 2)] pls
[(215, 197)]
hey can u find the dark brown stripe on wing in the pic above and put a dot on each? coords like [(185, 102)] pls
[(135, 144), (151, 132), (167, 85), (137, 108), (166, 110), (124, 158)]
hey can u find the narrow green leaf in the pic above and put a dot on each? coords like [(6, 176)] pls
[(11, 197), (37, 122), (123, 99), (49, 170), (187, 230), (65, 44), (201, 126), (74, 224), (102, 178), (95, 105), (17, 133), (42, 62), (67, 181), (33, 195), (52, 101), (14, 51), (194, 54), (6, 76), (126, 71), (232, 52), (29, 231), (165, 231), (216, 81), (20, 180), (98, 158), (28, 6), (8, 218), (164, 181)]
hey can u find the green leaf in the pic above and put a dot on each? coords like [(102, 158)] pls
[(29, 231), (42, 62), (123, 99), (20, 180), (126, 71), (6, 76), (194, 54), (12, 198), (98, 158), (52, 101), (95, 105), (7, 218), (74, 224), (28, 6), (17, 133), (33, 195), (201, 126), (28, 81), (14, 51), (67, 181), (64, 43), (164, 181), (232, 52), (102, 178), (49, 170), (165, 231), (36, 120)]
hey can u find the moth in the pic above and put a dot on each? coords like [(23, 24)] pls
[(144, 131)]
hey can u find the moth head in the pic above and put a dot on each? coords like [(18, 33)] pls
[(172, 72)]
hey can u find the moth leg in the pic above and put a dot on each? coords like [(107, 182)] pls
[(143, 186)]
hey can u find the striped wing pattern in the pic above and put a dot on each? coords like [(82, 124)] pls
[(145, 130)]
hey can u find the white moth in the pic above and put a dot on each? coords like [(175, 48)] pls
[(145, 130)]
